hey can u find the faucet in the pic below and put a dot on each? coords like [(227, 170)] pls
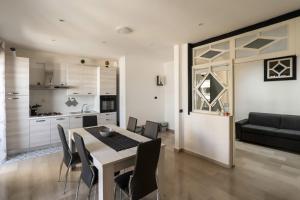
[(83, 107)]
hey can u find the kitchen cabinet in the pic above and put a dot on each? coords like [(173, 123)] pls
[(64, 122), (82, 80), (108, 81), (107, 118), (16, 75), (39, 132), (76, 121), (16, 104), (17, 123)]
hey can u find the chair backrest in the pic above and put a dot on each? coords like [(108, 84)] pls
[(143, 180), (87, 174), (151, 130), (131, 126), (66, 149), (89, 120)]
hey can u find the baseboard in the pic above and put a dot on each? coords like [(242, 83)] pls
[(206, 158), (178, 150)]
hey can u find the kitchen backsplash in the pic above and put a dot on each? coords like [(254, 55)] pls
[(54, 101)]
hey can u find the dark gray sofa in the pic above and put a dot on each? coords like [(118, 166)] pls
[(273, 130)]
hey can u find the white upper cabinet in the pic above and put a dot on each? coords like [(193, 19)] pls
[(16, 75), (108, 81), (82, 80)]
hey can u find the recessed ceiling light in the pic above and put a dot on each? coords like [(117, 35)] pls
[(124, 30), (61, 20)]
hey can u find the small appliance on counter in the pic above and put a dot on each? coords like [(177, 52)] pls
[(34, 109)]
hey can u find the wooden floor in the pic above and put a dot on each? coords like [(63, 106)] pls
[(260, 173)]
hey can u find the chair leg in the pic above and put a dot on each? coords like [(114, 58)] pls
[(90, 191), (95, 192), (66, 179), (121, 194), (115, 191), (157, 195), (61, 164), (77, 192)]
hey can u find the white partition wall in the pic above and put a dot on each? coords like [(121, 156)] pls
[(2, 103), (202, 134)]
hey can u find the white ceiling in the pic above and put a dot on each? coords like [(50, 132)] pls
[(89, 27)]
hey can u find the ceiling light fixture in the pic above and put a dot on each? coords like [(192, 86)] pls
[(124, 30)]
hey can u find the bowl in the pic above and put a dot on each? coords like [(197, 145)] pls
[(105, 132)]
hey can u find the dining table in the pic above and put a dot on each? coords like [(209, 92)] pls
[(108, 159)]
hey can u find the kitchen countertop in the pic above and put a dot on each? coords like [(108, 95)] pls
[(65, 115)]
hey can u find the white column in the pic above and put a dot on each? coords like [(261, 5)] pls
[(177, 96), (122, 92), (2, 104)]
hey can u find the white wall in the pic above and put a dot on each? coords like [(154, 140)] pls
[(140, 81), (122, 92), (252, 94), (169, 94), (2, 104)]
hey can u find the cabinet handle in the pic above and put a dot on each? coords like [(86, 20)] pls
[(90, 93), (107, 119), (78, 117), (60, 119), (12, 98), (75, 93), (107, 93), (10, 93), (41, 120)]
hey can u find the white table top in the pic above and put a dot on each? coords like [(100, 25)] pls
[(103, 153)]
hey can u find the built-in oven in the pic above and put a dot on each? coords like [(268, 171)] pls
[(108, 103)]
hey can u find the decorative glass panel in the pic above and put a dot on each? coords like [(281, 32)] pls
[(211, 54), (210, 88), (258, 43)]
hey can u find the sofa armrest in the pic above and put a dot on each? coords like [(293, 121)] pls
[(238, 128)]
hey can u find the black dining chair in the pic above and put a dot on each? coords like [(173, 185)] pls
[(131, 126), (142, 180), (89, 173), (89, 120), (69, 158), (151, 130)]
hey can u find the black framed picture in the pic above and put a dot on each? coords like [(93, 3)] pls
[(280, 69)]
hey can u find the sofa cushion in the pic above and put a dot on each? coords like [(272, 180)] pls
[(264, 130), (288, 134), (265, 119), (291, 122)]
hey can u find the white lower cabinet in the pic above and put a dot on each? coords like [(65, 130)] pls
[(39, 132), (76, 121), (64, 122), (107, 118)]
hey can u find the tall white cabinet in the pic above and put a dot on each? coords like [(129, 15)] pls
[(2, 103), (17, 101)]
